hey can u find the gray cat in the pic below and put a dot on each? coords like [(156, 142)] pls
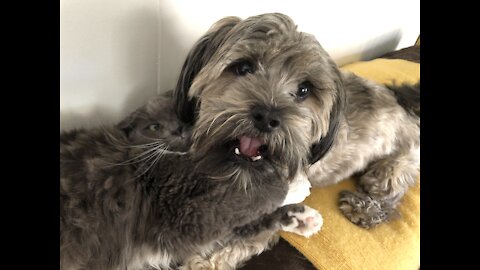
[(130, 197)]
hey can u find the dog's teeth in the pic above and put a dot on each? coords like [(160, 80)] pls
[(256, 158), (237, 151)]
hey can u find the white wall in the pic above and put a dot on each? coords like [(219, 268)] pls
[(108, 59), (117, 53)]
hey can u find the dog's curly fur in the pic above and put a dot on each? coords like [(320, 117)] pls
[(358, 127)]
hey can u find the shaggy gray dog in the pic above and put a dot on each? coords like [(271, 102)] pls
[(262, 72), (128, 201)]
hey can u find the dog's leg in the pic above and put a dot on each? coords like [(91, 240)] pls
[(380, 189), (258, 236)]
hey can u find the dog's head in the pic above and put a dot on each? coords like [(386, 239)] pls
[(261, 94)]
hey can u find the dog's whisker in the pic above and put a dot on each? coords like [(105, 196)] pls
[(242, 184), (214, 119), (223, 177), (223, 124), (241, 125)]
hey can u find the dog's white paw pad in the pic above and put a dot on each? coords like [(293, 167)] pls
[(305, 223)]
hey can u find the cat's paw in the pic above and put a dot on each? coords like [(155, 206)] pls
[(305, 223)]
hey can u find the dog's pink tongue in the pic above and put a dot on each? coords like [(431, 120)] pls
[(249, 146)]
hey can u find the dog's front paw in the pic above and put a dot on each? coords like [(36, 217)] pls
[(305, 222), (364, 211)]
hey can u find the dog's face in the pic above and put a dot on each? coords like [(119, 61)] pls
[(263, 93)]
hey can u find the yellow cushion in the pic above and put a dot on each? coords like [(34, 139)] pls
[(343, 245), (386, 70)]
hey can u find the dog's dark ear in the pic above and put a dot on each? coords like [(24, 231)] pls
[(197, 58), (321, 148)]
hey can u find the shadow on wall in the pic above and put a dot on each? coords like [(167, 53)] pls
[(137, 73), (173, 48), (376, 47), (142, 71), (96, 117), (170, 52)]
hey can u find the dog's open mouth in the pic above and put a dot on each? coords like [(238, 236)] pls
[(250, 148)]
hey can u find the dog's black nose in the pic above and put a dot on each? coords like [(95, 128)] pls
[(265, 120)]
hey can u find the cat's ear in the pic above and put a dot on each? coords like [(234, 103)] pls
[(197, 58)]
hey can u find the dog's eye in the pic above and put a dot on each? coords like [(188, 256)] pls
[(303, 90), (242, 68), (154, 127)]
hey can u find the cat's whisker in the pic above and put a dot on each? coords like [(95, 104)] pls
[(156, 142), (157, 155), (145, 145), (152, 138), (115, 141), (145, 155)]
